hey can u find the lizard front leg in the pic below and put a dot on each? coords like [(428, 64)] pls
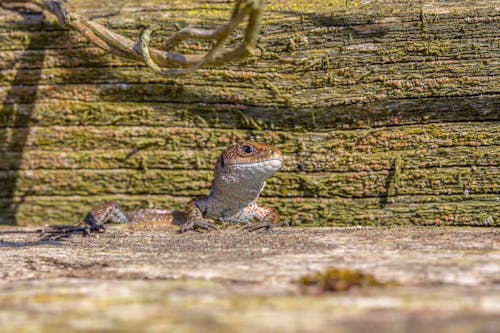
[(99, 215), (194, 217), (268, 218)]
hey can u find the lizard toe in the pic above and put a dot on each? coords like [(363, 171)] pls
[(284, 224), (250, 227), (197, 226)]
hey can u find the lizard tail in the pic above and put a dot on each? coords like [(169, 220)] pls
[(155, 216), (111, 211)]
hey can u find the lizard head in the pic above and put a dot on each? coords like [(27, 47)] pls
[(249, 160)]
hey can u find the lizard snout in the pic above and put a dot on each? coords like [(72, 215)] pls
[(275, 153), (275, 164)]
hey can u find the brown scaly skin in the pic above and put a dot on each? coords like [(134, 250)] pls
[(240, 175)]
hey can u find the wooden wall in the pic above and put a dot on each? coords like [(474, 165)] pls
[(387, 112)]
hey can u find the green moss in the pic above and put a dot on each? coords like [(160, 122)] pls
[(337, 280), (432, 48)]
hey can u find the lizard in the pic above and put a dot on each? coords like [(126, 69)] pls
[(240, 175)]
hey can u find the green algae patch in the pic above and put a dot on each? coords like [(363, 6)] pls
[(336, 280)]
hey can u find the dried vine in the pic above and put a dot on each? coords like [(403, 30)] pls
[(121, 46)]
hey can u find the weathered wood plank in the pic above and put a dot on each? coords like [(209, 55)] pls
[(388, 75), (333, 95), (267, 93), (378, 58), (431, 181), (396, 138), (480, 210), (225, 115), (446, 157)]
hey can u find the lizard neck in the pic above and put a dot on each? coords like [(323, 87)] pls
[(229, 197), (236, 194)]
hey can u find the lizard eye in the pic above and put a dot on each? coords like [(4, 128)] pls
[(248, 149)]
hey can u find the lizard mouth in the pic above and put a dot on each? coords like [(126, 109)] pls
[(268, 165)]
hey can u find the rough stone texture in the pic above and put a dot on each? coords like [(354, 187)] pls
[(387, 111), (442, 279)]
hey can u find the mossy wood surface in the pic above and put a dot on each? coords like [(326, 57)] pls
[(142, 279), (388, 113)]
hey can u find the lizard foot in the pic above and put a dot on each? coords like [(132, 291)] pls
[(197, 226), (88, 229), (99, 215), (267, 226), (250, 227), (92, 225)]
